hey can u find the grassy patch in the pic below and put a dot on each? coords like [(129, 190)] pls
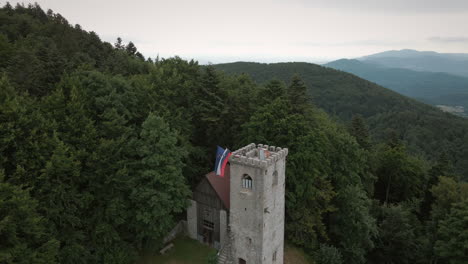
[(189, 251), (294, 255), (185, 251)]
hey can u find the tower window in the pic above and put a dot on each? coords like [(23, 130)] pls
[(274, 256), (246, 182), (275, 178)]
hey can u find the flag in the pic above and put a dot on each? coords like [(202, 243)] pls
[(222, 157)]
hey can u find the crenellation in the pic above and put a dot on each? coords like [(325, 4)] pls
[(250, 146), (252, 153), (249, 155)]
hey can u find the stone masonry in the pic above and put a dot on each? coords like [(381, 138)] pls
[(256, 216), (192, 219)]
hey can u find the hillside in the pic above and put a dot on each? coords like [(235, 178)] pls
[(453, 63), (430, 87), (424, 128)]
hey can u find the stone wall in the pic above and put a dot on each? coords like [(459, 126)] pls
[(273, 234), (257, 214), (192, 220), (223, 222)]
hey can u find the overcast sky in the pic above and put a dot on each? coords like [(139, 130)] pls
[(275, 30)]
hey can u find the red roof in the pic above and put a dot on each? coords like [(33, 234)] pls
[(221, 185)]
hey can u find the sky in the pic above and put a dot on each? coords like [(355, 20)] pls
[(271, 31)]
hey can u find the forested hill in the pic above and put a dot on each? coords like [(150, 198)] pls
[(452, 63), (426, 130), (435, 88), (36, 48)]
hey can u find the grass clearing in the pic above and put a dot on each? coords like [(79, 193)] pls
[(185, 251), (294, 255), (189, 251)]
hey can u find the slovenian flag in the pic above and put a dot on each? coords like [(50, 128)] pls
[(222, 157)]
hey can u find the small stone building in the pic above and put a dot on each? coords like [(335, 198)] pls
[(208, 214), (242, 213)]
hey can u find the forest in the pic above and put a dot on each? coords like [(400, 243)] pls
[(425, 130), (101, 147)]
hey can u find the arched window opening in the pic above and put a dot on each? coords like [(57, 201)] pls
[(247, 182)]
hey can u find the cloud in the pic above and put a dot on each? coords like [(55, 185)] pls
[(392, 6), (365, 43), (449, 39)]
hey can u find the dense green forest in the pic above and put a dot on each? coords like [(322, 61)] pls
[(427, 131), (100, 148), (436, 88)]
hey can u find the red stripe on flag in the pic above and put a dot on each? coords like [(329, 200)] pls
[(224, 164)]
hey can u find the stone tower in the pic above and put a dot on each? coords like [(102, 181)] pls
[(257, 192)]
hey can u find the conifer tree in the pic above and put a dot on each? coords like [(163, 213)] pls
[(297, 93), (447, 193), (272, 90), (442, 167), (352, 226), (25, 238), (131, 49), (451, 246), (63, 202), (400, 176), (118, 44), (159, 190), (399, 238), (209, 108), (359, 130)]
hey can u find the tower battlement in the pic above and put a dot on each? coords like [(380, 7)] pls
[(250, 155)]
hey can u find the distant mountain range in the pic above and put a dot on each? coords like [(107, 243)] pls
[(452, 63), (391, 69)]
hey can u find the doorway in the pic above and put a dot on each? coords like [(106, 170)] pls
[(207, 236), (208, 230)]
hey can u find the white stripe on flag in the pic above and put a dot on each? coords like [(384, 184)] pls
[(218, 170)]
